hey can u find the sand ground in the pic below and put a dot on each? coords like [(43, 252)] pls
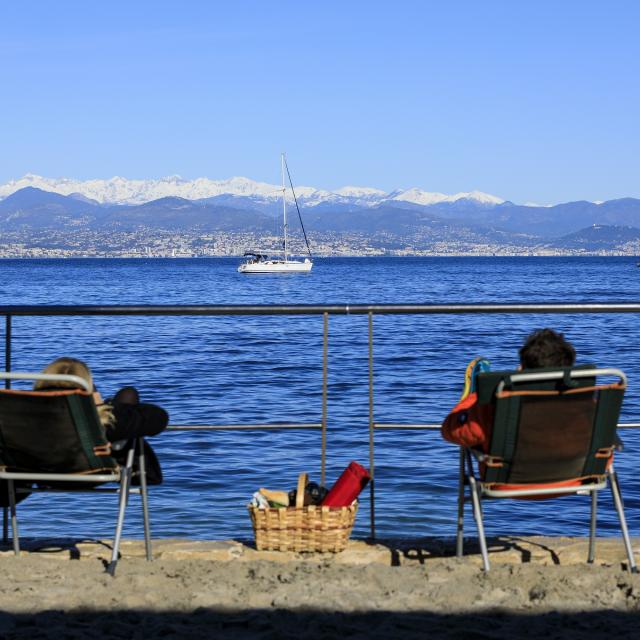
[(537, 587)]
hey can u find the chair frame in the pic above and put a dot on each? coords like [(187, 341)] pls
[(478, 490), (122, 475)]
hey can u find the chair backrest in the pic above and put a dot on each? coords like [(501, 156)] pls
[(551, 425), (52, 432)]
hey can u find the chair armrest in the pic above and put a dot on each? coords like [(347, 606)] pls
[(485, 458)]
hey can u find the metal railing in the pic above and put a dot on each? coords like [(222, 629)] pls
[(370, 310)]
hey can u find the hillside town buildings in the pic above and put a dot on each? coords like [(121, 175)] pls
[(166, 244)]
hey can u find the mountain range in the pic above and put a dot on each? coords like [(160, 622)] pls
[(242, 191), (241, 205)]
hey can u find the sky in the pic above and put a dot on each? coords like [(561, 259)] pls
[(533, 101)]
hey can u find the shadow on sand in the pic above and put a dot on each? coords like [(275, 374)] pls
[(207, 623)]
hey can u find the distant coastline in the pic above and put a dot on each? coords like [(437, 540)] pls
[(33, 251)]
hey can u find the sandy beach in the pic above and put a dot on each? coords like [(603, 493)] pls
[(537, 586)]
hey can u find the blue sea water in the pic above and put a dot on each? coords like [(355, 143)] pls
[(239, 370)]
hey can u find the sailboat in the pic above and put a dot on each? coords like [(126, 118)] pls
[(260, 262)]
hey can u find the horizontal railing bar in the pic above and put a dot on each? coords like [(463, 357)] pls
[(398, 425), (292, 425), (310, 309), (240, 427), (436, 427)]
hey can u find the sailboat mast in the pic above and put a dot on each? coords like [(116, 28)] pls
[(284, 208)]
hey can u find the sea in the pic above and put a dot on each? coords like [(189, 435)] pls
[(260, 369)]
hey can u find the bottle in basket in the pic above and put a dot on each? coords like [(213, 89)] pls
[(346, 489)]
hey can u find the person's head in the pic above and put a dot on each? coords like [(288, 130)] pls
[(74, 367), (546, 348), (64, 366)]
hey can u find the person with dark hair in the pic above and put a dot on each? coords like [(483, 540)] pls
[(469, 423), (546, 348)]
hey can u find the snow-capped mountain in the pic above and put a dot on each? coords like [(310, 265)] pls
[(122, 191), (426, 198), (119, 190), (31, 209)]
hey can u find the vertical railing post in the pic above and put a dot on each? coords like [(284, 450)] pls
[(7, 349), (372, 491), (325, 342), (7, 385)]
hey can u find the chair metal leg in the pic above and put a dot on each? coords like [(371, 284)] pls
[(477, 514), (460, 526), (14, 517), (617, 498), (144, 496), (125, 484), (592, 527)]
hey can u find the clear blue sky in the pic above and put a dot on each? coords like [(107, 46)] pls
[(532, 101)]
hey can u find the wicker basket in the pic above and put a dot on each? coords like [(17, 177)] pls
[(299, 528)]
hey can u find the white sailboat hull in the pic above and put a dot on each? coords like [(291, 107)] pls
[(276, 266)]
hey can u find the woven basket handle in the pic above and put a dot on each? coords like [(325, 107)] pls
[(302, 484)]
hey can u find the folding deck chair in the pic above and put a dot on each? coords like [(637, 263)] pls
[(554, 433), (52, 441)]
